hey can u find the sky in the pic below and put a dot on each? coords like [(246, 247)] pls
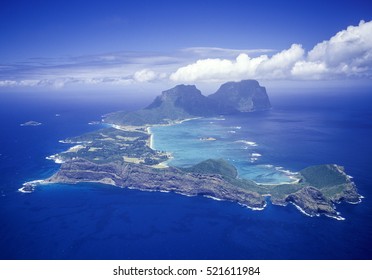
[(119, 45)]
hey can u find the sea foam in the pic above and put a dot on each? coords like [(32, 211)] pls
[(249, 143)]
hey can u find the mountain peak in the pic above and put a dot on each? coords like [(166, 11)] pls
[(177, 94), (242, 83), (244, 96), (181, 90)]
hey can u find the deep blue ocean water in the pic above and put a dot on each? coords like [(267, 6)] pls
[(91, 221)]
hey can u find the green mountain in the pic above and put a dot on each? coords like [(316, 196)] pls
[(189, 100), (214, 166), (244, 96)]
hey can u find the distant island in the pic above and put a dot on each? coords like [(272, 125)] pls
[(122, 155), (30, 123), (186, 101)]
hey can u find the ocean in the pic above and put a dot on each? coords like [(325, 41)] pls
[(92, 221)]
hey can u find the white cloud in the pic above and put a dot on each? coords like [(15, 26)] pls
[(309, 70), (206, 69), (347, 54), (280, 64), (28, 83), (144, 75), (59, 83), (112, 70), (241, 68), (223, 52), (348, 45), (8, 83)]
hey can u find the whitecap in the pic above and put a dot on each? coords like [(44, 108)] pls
[(250, 143), (214, 198), (116, 126), (33, 183), (28, 187), (253, 208), (55, 158), (256, 155), (302, 210), (218, 119), (25, 190)]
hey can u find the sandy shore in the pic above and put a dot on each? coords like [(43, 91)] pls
[(151, 139), (148, 129)]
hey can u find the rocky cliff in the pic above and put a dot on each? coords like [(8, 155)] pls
[(244, 96), (140, 176)]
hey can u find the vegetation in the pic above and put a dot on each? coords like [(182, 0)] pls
[(322, 176), (213, 166), (109, 144)]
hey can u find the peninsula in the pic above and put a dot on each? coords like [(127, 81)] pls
[(122, 155)]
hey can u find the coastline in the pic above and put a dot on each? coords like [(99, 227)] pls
[(336, 217), (78, 169), (150, 143), (151, 146), (29, 187), (151, 139), (295, 181)]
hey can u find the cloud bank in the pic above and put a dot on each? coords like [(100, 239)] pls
[(347, 54), (277, 66), (115, 69)]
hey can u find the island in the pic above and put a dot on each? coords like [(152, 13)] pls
[(31, 123), (122, 155)]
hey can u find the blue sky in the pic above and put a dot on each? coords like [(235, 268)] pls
[(120, 44)]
